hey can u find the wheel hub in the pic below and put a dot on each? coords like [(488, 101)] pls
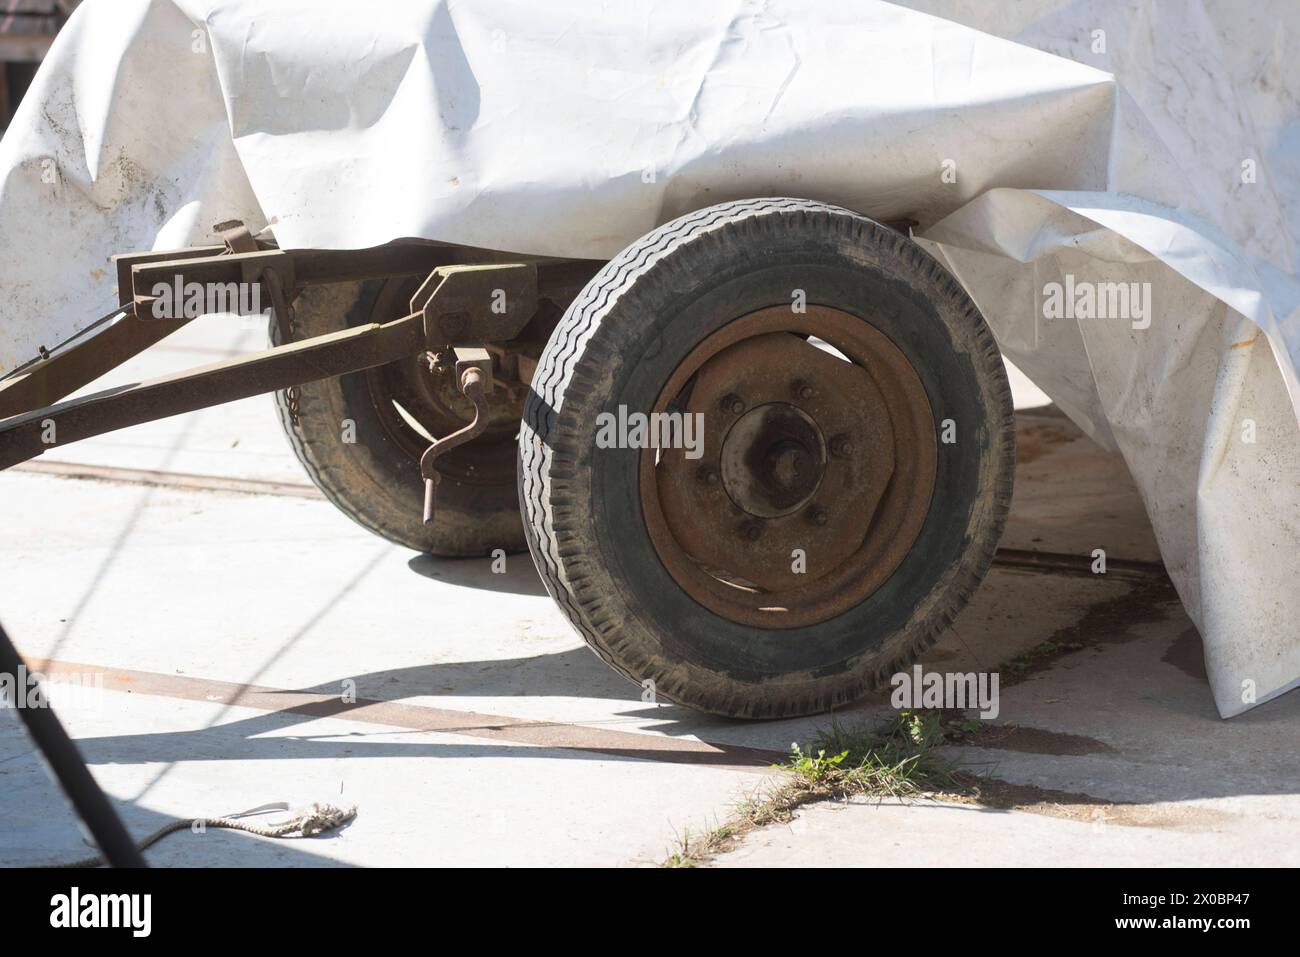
[(773, 460), (815, 473)]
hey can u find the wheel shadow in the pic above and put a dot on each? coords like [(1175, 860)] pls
[(516, 576)]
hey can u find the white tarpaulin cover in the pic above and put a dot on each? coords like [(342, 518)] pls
[(1072, 142)]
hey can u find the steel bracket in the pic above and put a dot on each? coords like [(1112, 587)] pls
[(476, 303)]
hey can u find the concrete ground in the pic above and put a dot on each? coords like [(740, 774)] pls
[(224, 626)]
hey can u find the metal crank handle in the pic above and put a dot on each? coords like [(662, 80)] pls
[(471, 384)]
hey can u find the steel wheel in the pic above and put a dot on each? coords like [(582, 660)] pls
[(818, 480)]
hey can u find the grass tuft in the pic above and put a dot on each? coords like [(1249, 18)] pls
[(896, 760)]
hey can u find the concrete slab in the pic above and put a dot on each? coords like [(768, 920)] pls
[(423, 798), (1123, 761), (227, 627), (935, 834)]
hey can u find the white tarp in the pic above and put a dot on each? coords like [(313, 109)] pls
[(1078, 143)]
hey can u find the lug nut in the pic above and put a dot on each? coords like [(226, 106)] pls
[(751, 531), (707, 475), (841, 446), (733, 403), (819, 516), (804, 390)]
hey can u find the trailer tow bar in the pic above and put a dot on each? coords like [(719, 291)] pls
[(459, 308)]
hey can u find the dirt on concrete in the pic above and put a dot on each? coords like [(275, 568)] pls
[(1107, 622), (1035, 441)]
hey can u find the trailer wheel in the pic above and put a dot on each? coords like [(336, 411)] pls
[(360, 436), (854, 476)]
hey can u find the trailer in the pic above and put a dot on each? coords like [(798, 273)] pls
[(761, 458)]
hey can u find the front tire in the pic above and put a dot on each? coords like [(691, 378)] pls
[(672, 570)]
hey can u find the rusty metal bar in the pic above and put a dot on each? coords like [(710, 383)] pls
[(27, 436), (63, 372), (466, 293), (474, 367), (83, 471), (140, 273), (123, 262)]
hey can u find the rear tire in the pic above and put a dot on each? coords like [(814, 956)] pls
[(375, 480), (620, 342)]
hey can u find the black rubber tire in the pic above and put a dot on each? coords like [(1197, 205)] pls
[(619, 342), (374, 481)]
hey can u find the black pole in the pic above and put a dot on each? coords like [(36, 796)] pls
[(70, 768)]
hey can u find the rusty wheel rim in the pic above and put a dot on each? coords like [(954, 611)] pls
[(815, 475)]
